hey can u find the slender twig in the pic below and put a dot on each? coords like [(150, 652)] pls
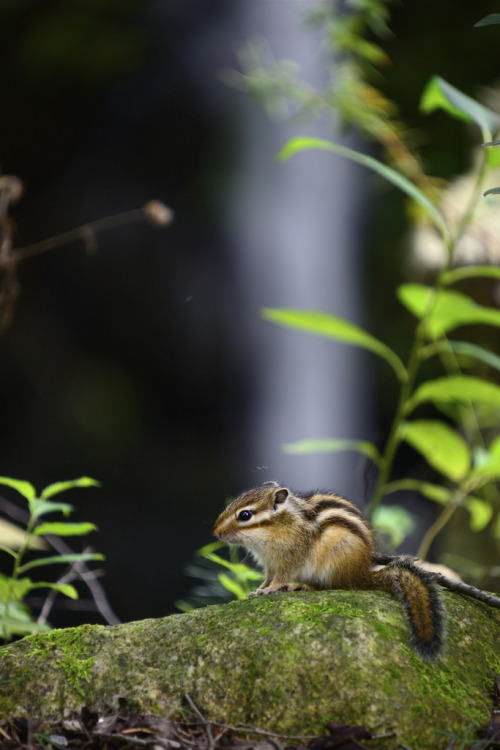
[(88, 577), (458, 586), (468, 590), (239, 728), (154, 211), (206, 724), (73, 572), (135, 741)]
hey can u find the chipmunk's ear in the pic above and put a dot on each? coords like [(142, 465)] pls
[(280, 496)]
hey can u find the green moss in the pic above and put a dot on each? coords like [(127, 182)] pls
[(69, 652), (382, 629), (288, 663)]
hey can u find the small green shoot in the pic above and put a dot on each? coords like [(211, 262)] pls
[(235, 580)]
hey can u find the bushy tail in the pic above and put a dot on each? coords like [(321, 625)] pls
[(412, 587)]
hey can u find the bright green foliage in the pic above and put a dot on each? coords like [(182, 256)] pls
[(327, 445), (445, 310), (439, 94), (15, 616), (391, 175), (441, 446), (453, 450), (323, 324)]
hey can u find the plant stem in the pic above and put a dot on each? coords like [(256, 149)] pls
[(15, 574), (394, 437), (435, 528), (417, 353)]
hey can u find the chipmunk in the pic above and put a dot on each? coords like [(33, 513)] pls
[(320, 540)]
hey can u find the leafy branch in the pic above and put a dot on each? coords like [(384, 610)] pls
[(15, 617), (439, 310)]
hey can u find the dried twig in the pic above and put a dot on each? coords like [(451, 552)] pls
[(154, 212), (206, 724), (73, 572), (11, 189)]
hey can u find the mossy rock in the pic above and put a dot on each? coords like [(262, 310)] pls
[(286, 662)]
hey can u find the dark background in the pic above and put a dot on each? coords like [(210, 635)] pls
[(130, 365)]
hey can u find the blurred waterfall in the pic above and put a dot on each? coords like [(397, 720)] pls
[(297, 227)]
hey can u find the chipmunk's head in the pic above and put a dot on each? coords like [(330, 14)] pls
[(248, 518)]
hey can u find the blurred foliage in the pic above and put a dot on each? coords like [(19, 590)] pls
[(351, 93)]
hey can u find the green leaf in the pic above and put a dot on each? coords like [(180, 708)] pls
[(490, 20), (463, 388), (64, 529), (479, 353), (211, 547), (24, 488), (330, 326), (450, 310), (434, 492), (468, 272), (494, 448), (487, 463), (492, 191), (330, 445), (64, 588), (439, 94), (42, 507), (238, 569), (56, 559), (12, 589), (295, 145), (18, 621), (57, 487), (481, 513), (395, 521), (233, 586), (442, 447)]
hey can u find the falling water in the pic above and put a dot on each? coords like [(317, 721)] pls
[(296, 227)]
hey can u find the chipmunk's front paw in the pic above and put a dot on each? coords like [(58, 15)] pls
[(269, 590), (276, 589), (259, 592)]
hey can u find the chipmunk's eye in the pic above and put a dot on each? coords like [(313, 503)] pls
[(244, 515)]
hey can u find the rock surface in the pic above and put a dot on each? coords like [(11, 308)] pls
[(286, 662)]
